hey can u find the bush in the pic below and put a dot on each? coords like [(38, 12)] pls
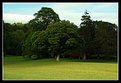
[(34, 57)]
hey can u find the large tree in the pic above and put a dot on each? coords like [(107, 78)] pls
[(63, 37), (35, 28), (87, 30), (43, 18)]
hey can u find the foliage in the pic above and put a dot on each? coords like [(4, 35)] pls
[(27, 46), (58, 38), (87, 30), (13, 35), (43, 18), (39, 43), (17, 26), (107, 42), (62, 37), (47, 36), (6, 39), (96, 42)]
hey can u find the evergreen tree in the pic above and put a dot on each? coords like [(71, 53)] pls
[(87, 30)]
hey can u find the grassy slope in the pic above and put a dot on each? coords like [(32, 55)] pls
[(16, 68)]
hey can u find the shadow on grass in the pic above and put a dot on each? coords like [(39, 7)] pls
[(94, 60), (13, 59)]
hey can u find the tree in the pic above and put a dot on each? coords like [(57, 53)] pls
[(35, 44), (7, 29), (15, 39), (17, 26), (13, 34), (62, 37), (27, 46), (40, 43), (87, 30), (106, 42), (43, 18)]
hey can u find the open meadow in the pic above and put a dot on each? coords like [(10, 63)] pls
[(16, 68)]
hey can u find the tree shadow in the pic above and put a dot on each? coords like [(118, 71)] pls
[(95, 60)]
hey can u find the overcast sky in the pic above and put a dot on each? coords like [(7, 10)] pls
[(23, 12)]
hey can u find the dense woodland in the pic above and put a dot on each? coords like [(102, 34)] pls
[(46, 36)]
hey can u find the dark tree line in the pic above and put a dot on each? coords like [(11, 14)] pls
[(100, 38), (47, 36)]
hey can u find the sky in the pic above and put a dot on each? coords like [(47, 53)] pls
[(23, 12)]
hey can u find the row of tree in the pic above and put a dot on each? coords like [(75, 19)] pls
[(48, 36)]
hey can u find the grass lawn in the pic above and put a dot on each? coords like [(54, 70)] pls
[(16, 68)]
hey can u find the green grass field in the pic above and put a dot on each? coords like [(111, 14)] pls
[(16, 68)]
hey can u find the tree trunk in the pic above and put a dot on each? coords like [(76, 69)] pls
[(79, 57), (84, 56), (57, 58)]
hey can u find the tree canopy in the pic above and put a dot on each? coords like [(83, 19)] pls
[(43, 18), (63, 37)]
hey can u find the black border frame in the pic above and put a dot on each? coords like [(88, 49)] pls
[(66, 1)]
